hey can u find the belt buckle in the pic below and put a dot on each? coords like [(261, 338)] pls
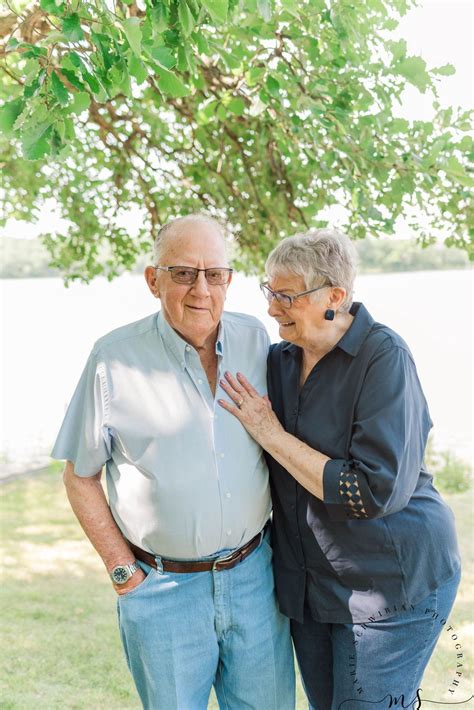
[(218, 560)]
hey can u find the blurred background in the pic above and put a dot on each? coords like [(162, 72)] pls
[(48, 331)]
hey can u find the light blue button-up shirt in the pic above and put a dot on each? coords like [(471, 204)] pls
[(184, 478)]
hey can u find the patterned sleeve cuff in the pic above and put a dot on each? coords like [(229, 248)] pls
[(342, 495), (351, 498)]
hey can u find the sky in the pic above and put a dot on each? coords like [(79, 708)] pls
[(441, 31)]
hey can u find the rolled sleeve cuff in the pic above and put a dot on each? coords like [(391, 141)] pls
[(342, 495)]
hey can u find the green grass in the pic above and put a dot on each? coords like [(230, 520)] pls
[(60, 643)]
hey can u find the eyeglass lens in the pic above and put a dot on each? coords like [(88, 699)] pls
[(215, 277), (281, 298)]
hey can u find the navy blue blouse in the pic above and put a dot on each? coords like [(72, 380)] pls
[(382, 537)]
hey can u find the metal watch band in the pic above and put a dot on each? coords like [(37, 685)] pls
[(130, 569)]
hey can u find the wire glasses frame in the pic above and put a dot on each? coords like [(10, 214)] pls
[(284, 299), (218, 276)]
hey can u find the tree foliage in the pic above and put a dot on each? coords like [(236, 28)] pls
[(261, 112)]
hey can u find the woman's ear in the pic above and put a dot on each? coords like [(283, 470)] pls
[(152, 280), (336, 297)]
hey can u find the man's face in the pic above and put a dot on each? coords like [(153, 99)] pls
[(194, 311)]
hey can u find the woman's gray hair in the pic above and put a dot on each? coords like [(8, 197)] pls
[(174, 226), (320, 256)]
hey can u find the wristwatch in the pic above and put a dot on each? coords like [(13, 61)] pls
[(122, 573)]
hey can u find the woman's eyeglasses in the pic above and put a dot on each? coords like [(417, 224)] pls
[(284, 299), (218, 276)]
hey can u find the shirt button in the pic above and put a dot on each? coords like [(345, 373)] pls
[(295, 411), (303, 568), (227, 495), (183, 364), (229, 532), (187, 348), (199, 382), (222, 456)]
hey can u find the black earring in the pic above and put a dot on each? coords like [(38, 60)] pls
[(329, 314)]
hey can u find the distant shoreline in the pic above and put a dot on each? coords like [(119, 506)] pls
[(361, 272), (29, 259)]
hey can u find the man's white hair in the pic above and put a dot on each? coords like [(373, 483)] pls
[(174, 226), (320, 256)]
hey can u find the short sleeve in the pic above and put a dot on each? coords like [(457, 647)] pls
[(84, 438), (389, 434)]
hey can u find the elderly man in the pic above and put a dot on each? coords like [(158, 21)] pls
[(184, 534)]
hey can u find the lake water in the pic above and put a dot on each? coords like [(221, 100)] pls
[(49, 331)]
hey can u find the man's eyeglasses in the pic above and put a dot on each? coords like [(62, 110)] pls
[(284, 299), (218, 276)]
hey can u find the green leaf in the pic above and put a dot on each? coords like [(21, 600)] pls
[(72, 28), (194, 6), (52, 7), (254, 75), (455, 169), (290, 6), (8, 115), (124, 85), (445, 70), (33, 51), (164, 56), (217, 9), (221, 113), (102, 43), (72, 78), (159, 18), (91, 80), (80, 102), (75, 59), (35, 141), (186, 19), (201, 43), (398, 49), (60, 128), (170, 84), (206, 114), (273, 86), (137, 69), (183, 63), (237, 106), (69, 131), (59, 90), (172, 38), (31, 89), (414, 69), (133, 33)]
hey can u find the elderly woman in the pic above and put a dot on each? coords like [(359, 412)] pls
[(365, 550)]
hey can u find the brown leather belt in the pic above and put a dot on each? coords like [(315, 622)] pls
[(217, 564)]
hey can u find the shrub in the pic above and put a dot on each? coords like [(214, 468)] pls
[(451, 473)]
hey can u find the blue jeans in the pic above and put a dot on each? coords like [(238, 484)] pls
[(183, 633), (362, 666)]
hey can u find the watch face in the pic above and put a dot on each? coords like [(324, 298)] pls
[(120, 575)]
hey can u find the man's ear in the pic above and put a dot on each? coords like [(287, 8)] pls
[(151, 278)]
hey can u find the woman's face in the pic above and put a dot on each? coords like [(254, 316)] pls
[(301, 323)]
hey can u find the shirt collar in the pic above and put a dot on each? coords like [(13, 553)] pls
[(353, 338), (359, 329), (178, 346)]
